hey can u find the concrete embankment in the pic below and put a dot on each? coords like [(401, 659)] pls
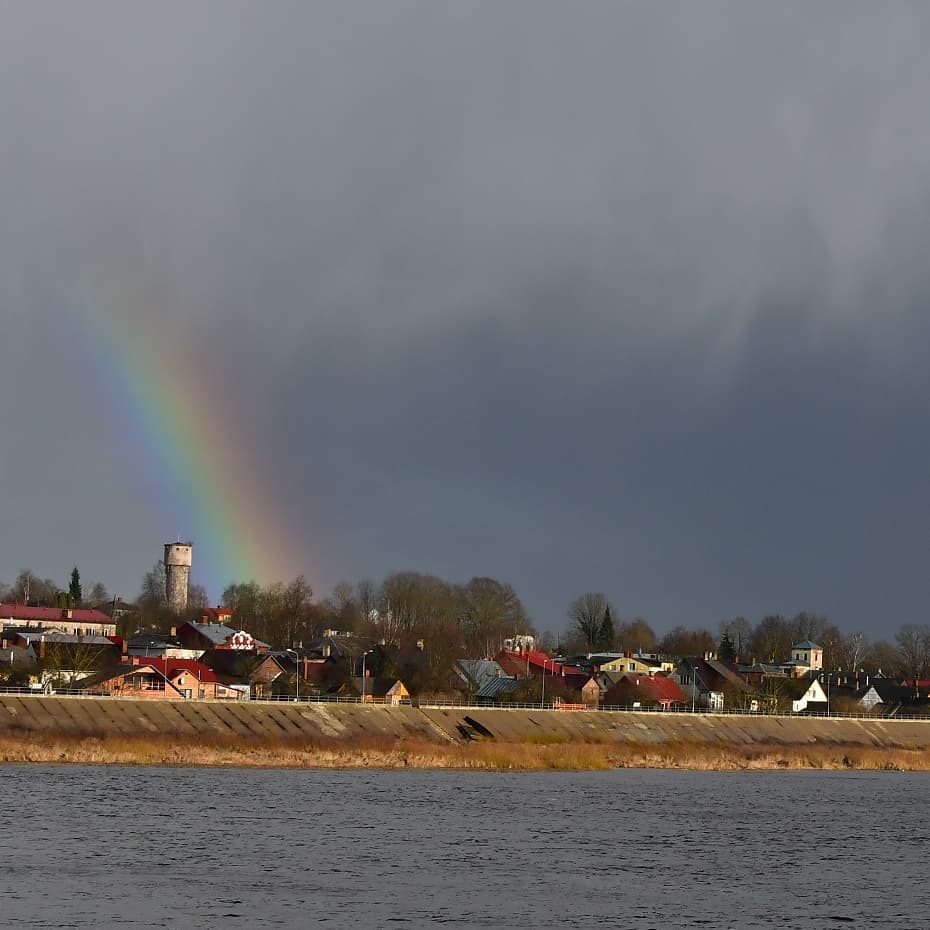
[(102, 717)]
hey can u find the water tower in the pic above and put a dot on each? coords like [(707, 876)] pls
[(178, 557)]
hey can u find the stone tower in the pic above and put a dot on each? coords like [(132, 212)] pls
[(178, 558)]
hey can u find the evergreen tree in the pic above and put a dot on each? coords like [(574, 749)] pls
[(725, 651), (75, 588), (606, 637)]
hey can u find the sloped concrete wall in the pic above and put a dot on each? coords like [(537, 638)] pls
[(102, 716), (630, 727), (109, 716)]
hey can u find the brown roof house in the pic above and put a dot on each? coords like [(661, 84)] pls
[(165, 679), (259, 670)]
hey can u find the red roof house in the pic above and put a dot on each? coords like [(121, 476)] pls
[(646, 690)]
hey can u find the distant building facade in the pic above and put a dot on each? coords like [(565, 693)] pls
[(74, 621)]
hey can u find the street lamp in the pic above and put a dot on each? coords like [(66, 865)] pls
[(542, 699), (297, 662), (364, 654)]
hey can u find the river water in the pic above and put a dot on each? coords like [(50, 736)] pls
[(125, 847)]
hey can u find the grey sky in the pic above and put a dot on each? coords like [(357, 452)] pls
[(622, 297)]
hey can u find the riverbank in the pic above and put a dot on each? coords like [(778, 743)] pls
[(422, 754), (92, 730)]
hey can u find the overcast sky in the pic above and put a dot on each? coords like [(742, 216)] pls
[(624, 297)]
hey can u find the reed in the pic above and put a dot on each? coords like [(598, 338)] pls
[(537, 754)]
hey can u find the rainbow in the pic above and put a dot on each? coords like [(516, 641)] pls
[(202, 483)]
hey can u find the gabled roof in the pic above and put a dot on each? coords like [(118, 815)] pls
[(377, 687), (655, 688), (241, 664), (890, 692), (481, 671), (714, 674), (176, 666), (796, 688), (154, 641), (497, 687), (218, 633), (124, 671), (50, 614), (519, 663)]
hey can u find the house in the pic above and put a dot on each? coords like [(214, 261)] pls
[(167, 679), (537, 664), (142, 682), (258, 670), (707, 681), (806, 696), (150, 645), (381, 690), (65, 657), (591, 693), (888, 697), (211, 635), (74, 621), (630, 662), (807, 655), (631, 690)]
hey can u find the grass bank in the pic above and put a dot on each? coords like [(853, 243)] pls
[(416, 753)]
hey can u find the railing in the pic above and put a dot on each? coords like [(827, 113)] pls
[(442, 704)]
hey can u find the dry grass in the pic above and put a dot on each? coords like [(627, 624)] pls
[(421, 753)]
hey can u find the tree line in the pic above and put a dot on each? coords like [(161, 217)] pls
[(451, 620)]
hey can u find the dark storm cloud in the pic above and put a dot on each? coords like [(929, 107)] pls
[(615, 297)]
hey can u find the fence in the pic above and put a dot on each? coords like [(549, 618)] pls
[(468, 705)]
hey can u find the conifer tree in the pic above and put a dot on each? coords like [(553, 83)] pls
[(74, 589), (725, 651), (606, 638)]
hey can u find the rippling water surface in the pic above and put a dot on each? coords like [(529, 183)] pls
[(203, 848)]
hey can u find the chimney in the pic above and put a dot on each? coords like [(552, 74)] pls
[(42, 647)]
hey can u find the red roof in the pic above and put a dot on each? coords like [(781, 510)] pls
[(173, 667), (658, 688), (22, 612), (517, 663)]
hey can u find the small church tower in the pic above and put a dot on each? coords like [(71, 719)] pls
[(178, 557)]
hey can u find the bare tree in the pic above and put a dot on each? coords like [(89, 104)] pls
[(739, 629), (680, 641), (914, 650), (97, 595), (489, 611), (586, 614), (882, 656), (851, 651), (772, 638), (637, 634), (153, 587)]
